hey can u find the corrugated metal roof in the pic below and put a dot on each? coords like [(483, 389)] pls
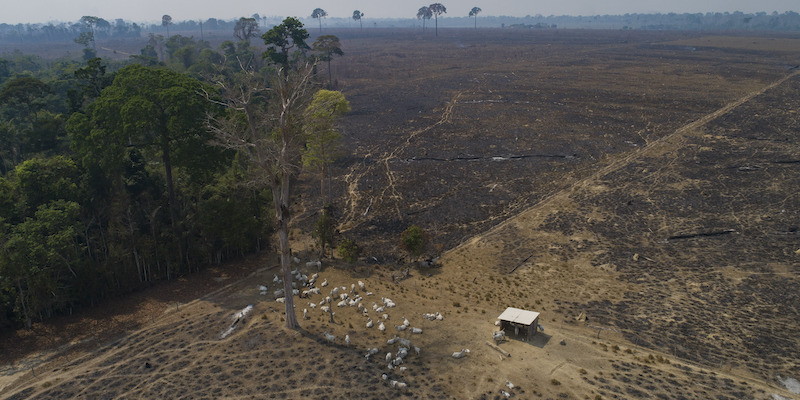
[(519, 316)]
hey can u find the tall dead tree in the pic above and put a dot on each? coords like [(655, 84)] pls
[(271, 136)]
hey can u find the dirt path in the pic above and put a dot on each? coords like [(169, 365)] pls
[(352, 216)]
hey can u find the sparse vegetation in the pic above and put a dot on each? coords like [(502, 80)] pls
[(349, 251)]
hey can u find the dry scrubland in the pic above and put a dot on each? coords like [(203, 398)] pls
[(647, 180)]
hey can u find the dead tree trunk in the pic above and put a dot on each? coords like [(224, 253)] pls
[(280, 196)]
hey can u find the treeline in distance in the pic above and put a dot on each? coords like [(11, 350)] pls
[(119, 28)]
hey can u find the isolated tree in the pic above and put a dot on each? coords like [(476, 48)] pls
[(325, 229), (474, 13), (265, 125), (282, 39), (414, 240), (88, 37), (424, 13), (91, 22), (319, 14), (245, 29), (166, 20), (437, 9), (323, 140), (357, 15), (328, 46), (349, 251)]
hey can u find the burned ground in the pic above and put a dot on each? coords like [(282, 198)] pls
[(645, 179), (459, 133)]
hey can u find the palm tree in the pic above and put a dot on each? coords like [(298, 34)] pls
[(437, 9), (319, 13), (357, 15), (474, 13), (166, 20), (423, 14)]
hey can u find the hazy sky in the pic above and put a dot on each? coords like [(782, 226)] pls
[(15, 11)]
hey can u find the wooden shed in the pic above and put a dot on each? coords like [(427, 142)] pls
[(520, 323)]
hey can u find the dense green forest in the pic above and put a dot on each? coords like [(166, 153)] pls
[(114, 175)]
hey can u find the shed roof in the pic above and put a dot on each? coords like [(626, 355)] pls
[(519, 316)]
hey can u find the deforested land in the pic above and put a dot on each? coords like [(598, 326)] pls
[(637, 188)]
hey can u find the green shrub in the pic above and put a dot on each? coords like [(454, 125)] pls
[(414, 240), (349, 251), (324, 229)]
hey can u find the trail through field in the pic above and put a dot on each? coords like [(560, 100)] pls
[(352, 215)]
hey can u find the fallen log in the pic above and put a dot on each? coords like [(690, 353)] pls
[(702, 234), (521, 264), (492, 158), (494, 346)]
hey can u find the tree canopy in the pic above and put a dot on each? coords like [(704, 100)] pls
[(90, 22), (25, 95), (109, 181), (156, 111), (245, 28), (282, 38), (323, 140)]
